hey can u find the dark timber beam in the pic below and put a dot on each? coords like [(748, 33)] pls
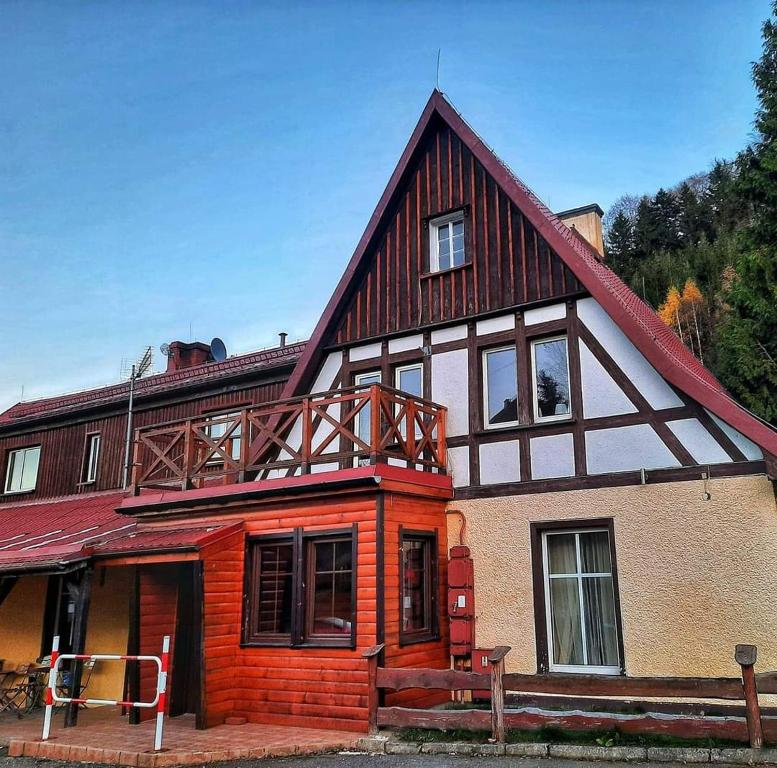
[(79, 639), (7, 583)]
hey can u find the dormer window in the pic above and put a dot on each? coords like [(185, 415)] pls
[(21, 474), (446, 242)]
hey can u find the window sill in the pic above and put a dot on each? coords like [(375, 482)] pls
[(411, 640), (84, 483), (524, 427), (348, 644), (17, 493), (459, 268)]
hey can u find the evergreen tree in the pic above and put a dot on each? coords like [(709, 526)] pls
[(748, 338), (620, 244)]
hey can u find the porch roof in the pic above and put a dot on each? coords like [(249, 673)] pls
[(65, 533)]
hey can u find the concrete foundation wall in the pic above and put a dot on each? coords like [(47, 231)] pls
[(695, 576)]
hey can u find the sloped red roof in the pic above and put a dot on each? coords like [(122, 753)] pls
[(58, 533), (252, 362), (657, 342)]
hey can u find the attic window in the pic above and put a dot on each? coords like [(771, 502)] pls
[(446, 242)]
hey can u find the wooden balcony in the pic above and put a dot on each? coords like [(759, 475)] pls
[(320, 432)]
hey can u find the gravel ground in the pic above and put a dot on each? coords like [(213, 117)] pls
[(366, 761)]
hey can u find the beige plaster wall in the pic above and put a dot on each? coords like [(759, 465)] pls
[(107, 629), (695, 576), (21, 621)]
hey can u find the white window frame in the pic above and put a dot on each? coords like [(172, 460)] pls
[(397, 374), (486, 410), (93, 445), (234, 439), (358, 381), (434, 244), (538, 418), (9, 463), (590, 669)]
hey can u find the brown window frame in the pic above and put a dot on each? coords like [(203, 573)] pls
[(431, 632), (302, 543), (536, 531)]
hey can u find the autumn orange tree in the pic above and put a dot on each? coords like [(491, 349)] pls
[(685, 312)]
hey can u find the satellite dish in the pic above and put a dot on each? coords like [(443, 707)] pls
[(217, 350), (165, 349)]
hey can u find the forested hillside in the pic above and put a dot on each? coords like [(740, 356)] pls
[(704, 253)]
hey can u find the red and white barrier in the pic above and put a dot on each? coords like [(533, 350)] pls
[(158, 701)]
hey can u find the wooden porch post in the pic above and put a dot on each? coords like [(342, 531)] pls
[(198, 627), (371, 654), (745, 656), (497, 659), (79, 639)]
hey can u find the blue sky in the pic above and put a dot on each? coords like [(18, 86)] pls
[(167, 165)]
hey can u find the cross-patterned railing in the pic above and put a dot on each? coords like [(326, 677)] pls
[(320, 432)]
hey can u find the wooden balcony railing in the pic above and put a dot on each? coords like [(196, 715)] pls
[(326, 431)]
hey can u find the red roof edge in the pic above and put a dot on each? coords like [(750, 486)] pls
[(700, 386)]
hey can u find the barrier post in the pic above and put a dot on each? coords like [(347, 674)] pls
[(162, 691), (746, 656), (50, 688), (497, 659)]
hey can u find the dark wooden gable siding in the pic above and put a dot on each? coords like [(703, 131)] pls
[(508, 262)]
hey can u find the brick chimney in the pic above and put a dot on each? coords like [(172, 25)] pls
[(183, 355), (587, 220)]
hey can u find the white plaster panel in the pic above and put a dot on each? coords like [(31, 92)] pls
[(364, 352), (458, 466), (495, 324), (500, 462), (626, 448), (454, 333), (601, 395), (325, 429), (327, 373), (450, 387), (747, 446), (698, 441), (545, 314), (628, 358), (317, 469), (406, 343), (552, 456)]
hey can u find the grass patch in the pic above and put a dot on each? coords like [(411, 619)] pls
[(553, 735)]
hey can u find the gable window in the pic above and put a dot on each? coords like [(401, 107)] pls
[(418, 591), (500, 387), (446, 242), (21, 472), (581, 616), (550, 379), (300, 589), (91, 457)]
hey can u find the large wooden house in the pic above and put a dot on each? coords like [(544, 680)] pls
[(478, 377)]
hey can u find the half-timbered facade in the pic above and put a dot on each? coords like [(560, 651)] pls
[(479, 377)]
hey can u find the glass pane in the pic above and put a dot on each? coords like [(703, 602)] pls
[(322, 603), (595, 552), (363, 417), (275, 589), (343, 556), (414, 586), (562, 557), (458, 227), (325, 552), (501, 378), (442, 233), (600, 623), (550, 360), (15, 466), (458, 242), (410, 380), (30, 469), (565, 622)]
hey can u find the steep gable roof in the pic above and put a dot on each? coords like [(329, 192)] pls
[(637, 320)]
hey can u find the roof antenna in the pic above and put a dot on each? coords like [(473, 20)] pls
[(437, 84)]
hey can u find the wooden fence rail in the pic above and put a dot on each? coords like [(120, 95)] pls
[(743, 689)]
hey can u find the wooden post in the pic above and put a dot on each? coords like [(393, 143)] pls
[(745, 656), (306, 448), (497, 660), (79, 638), (375, 436), (372, 654), (410, 416), (188, 456), (245, 432)]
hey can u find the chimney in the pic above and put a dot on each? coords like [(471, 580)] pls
[(587, 220), (283, 336), (183, 355)]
